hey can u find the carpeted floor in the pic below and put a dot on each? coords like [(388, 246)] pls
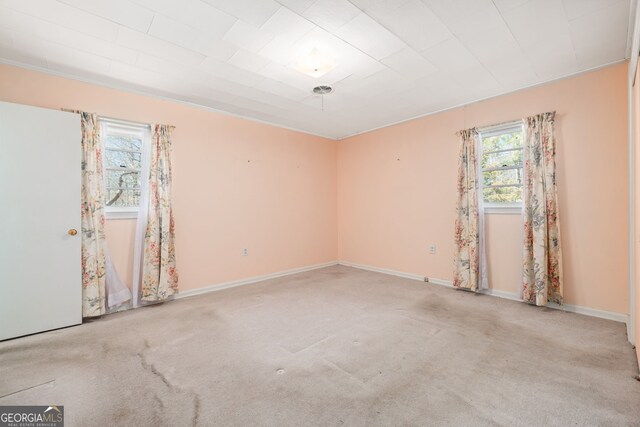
[(336, 346)]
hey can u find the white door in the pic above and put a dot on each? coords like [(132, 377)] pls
[(40, 261)]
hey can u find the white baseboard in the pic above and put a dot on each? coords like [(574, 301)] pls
[(609, 315), (618, 317), (587, 311), (383, 270), (250, 280)]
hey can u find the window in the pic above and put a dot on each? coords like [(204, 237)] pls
[(501, 166), (123, 153)]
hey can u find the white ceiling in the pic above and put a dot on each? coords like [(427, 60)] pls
[(395, 59)]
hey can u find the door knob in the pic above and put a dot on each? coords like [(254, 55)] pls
[(73, 232)]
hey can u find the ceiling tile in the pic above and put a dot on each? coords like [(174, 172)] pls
[(29, 25), (554, 58), (172, 31), (6, 34), (378, 8), (161, 66), (231, 73), (29, 44), (89, 44), (352, 62), (288, 23), (513, 71), (601, 35), (439, 87), (67, 16), (577, 8), (284, 90), (384, 81), (11, 53), (281, 73), (416, 24), (323, 40), (477, 80), (537, 21), (124, 12), (479, 22), (450, 55), (331, 14), (36, 27), (224, 85), (370, 37), (133, 75), (248, 61), (297, 6), (409, 63), (206, 18), (506, 5), (143, 42), (252, 12), (459, 12), (603, 53), (173, 8), (247, 37), (487, 37), (67, 59), (280, 49), (213, 47)]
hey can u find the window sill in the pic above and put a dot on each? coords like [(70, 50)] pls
[(121, 215), (503, 210)]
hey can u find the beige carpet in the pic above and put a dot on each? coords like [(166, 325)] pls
[(331, 347)]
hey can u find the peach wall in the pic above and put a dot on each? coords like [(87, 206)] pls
[(636, 169), (237, 183), (396, 190), (376, 199)]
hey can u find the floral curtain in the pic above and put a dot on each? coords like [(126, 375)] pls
[(467, 227), (159, 275), (542, 272), (92, 219)]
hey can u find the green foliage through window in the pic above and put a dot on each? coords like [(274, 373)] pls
[(502, 172)]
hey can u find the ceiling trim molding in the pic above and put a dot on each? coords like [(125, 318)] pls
[(568, 76), (125, 88), (150, 94)]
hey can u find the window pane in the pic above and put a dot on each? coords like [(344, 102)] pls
[(503, 159), (123, 198), (123, 142), (502, 142), (502, 177), (503, 195), (122, 179), (122, 159)]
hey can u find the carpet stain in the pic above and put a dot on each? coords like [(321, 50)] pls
[(336, 346)]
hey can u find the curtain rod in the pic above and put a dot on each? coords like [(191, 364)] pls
[(113, 119), (499, 125), (505, 124)]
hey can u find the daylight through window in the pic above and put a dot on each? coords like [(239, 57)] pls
[(501, 164), (123, 151)]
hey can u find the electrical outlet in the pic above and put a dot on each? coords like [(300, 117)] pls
[(432, 249), (245, 252)]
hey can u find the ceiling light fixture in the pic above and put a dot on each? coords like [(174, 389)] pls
[(315, 63)]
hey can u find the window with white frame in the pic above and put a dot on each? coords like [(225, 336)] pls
[(124, 146), (501, 166)]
